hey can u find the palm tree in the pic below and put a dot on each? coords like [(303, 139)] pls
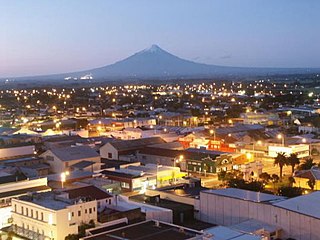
[(293, 160), (307, 164), (280, 160)]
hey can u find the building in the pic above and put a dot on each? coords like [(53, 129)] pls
[(131, 180), (11, 188), (113, 150), (51, 215), (62, 159), (103, 198), (263, 118), (151, 229), (307, 178), (20, 150), (302, 150), (297, 218)]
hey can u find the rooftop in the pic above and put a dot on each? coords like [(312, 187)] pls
[(246, 195), (47, 200), (226, 233), (91, 192), (305, 204), (148, 230), (124, 145), (74, 153)]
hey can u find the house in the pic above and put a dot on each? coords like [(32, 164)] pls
[(113, 150), (132, 180), (62, 159), (192, 160), (305, 178)]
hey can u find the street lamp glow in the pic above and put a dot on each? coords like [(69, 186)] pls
[(63, 177)]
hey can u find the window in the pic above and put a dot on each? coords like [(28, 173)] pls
[(27, 212), (90, 210), (22, 212), (109, 155), (37, 215), (72, 214), (42, 216), (15, 207), (79, 213), (32, 213), (86, 211), (94, 209), (109, 200)]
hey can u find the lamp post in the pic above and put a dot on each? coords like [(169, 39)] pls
[(281, 137), (63, 177), (175, 161)]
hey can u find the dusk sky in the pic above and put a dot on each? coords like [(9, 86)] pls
[(42, 37)]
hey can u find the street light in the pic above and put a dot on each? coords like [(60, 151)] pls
[(178, 160), (63, 177), (281, 137)]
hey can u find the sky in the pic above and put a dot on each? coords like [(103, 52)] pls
[(44, 36)]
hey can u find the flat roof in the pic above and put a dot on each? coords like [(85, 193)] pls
[(147, 230), (246, 195), (23, 191), (306, 204), (253, 225), (46, 200), (226, 233)]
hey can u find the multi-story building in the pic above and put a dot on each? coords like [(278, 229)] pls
[(50, 215)]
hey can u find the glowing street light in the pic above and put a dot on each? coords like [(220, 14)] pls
[(281, 137), (63, 178)]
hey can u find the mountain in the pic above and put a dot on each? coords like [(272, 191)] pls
[(155, 62)]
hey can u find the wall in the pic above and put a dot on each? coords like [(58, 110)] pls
[(16, 151), (7, 187), (229, 211), (108, 148)]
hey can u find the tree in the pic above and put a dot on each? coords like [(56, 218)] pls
[(293, 160), (311, 182), (307, 164), (265, 177), (281, 161), (291, 181), (290, 192), (275, 179), (242, 184), (72, 237)]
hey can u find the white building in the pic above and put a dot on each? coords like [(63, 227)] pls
[(13, 189), (298, 218), (50, 216), (302, 150), (62, 159)]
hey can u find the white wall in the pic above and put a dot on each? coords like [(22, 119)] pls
[(16, 151), (108, 148), (13, 186), (229, 211)]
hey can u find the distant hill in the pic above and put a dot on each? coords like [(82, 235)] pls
[(155, 62)]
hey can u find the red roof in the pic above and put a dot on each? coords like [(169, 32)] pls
[(88, 192)]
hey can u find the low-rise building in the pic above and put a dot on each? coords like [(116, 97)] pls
[(62, 159), (114, 149), (51, 215)]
